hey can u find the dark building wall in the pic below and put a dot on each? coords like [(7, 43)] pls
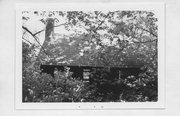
[(49, 69), (112, 72)]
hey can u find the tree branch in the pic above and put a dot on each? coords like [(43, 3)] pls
[(102, 21), (48, 28), (27, 40), (35, 39), (147, 31), (31, 44)]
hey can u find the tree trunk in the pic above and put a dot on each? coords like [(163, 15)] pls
[(44, 52)]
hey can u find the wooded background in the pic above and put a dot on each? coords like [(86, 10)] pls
[(7, 31)]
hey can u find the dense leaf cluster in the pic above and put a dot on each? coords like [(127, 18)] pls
[(63, 87)]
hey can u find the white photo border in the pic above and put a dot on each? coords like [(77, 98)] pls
[(158, 8)]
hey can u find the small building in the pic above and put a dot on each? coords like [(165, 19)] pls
[(85, 72), (63, 52)]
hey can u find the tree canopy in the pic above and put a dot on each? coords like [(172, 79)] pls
[(118, 38)]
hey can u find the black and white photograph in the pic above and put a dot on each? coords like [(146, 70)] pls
[(89, 56)]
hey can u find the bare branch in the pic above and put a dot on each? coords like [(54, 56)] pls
[(48, 28), (27, 41), (148, 31), (28, 30), (36, 39)]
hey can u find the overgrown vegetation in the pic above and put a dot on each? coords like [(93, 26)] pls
[(119, 38)]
